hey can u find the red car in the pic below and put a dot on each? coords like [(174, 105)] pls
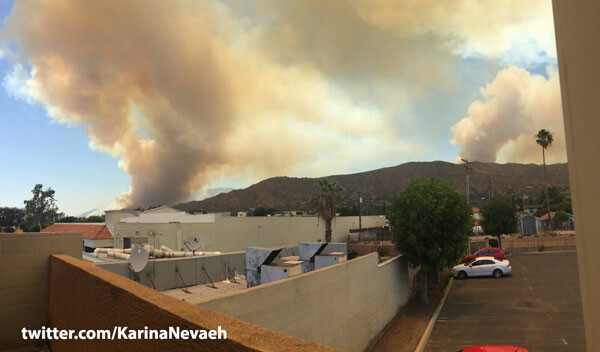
[(487, 252), (495, 348)]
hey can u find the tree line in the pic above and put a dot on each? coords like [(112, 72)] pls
[(38, 212)]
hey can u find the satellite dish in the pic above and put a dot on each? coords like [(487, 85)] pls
[(138, 259), (193, 243)]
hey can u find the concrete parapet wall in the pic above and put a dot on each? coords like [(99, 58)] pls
[(162, 271), (344, 306), (83, 296), (364, 249), (24, 263)]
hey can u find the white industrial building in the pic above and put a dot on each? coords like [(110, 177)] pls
[(222, 232)]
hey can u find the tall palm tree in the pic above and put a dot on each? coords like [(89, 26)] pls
[(544, 138), (330, 195)]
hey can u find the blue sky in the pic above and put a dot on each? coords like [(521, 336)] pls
[(364, 89), (38, 150)]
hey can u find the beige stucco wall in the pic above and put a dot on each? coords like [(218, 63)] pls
[(118, 301), (577, 31), (343, 306), (24, 263), (229, 234), (111, 217)]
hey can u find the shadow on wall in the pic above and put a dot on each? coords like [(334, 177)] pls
[(344, 306), (24, 269), (118, 301)]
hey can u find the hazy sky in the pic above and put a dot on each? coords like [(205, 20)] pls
[(140, 103)]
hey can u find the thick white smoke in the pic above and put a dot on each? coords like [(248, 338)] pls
[(515, 106)]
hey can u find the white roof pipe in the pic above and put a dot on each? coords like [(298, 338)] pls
[(122, 255), (97, 251), (117, 254)]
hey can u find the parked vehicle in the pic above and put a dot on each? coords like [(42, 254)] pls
[(487, 252), (495, 348), (482, 266)]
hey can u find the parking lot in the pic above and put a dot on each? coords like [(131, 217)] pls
[(538, 307)]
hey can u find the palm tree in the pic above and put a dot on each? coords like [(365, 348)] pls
[(330, 195), (544, 139)]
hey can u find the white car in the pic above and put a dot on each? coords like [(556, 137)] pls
[(482, 266)]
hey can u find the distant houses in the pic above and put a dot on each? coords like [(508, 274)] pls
[(531, 208), (532, 225), (477, 222)]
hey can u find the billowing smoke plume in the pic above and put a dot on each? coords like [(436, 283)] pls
[(179, 92), (516, 105), (104, 63), (185, 92), (519, 32)]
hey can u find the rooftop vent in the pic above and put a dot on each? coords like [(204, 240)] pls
[(274, 272), (256, 257), (324, 260), (309, 250)]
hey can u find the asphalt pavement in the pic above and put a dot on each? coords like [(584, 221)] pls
[(538, 306)]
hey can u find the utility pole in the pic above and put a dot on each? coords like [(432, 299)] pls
[(490, 188), (359, 216), (467, 167)]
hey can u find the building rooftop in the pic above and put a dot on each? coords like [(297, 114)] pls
[(198, 293), (90, 231)]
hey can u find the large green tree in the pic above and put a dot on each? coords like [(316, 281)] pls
[(430, 222), (42, 208), (544, 138), (329, 197), (499, 217)]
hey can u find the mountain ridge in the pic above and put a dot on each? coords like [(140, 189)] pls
[(377, 186)]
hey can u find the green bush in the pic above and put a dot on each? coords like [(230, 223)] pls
[(561, 216)]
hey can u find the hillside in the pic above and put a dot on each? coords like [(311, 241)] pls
[(292, 193)]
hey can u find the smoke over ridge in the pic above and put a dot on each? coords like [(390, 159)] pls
[(183, 93), (502, 128)]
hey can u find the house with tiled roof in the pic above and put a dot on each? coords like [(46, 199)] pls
[(477, 219), (95, 235)]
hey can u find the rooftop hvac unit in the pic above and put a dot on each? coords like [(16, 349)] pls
[(274, 272), (308, 251), (256, 257), (325, 260), (335, 247)]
